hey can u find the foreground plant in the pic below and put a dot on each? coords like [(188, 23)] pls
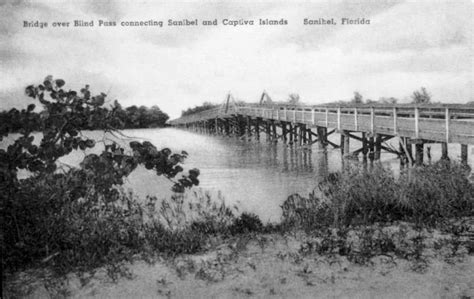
[(44, 215)]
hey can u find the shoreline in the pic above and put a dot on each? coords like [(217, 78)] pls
[(271, 265)]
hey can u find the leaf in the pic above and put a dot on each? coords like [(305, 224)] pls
[(48, 82), (30, 91), (60, 83), (31, 107)]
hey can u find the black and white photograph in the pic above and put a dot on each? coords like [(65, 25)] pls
[(237, 149)]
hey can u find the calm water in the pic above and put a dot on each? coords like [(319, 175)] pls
[(258, 176)]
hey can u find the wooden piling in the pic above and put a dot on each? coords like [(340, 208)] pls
[(249, 126), (444, 151), (365, 146), (322, 136), (342, 142), (419, 149), (464, 154), (257, 128), (371, 148), (291, 132), (347, 148), (378, 146), (274, 129)]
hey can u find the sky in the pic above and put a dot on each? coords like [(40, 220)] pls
[(408, 45)]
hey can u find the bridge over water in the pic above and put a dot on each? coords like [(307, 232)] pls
[(370, 125)]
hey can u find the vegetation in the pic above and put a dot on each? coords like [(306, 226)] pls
[(429, 196), (119, 118), (134, 117), (196, 109), (357, 99), (421, 97), (70, 217), (294, 99)]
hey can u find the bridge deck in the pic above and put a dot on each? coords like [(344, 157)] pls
[(447, 123)]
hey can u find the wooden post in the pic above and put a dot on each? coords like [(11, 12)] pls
[(371, 148), (409, 146), (249, 126), (339, 119), (291, 131), (356, 120), (378, 146), (464, 154), (301, 134), (447, 119), (257, 128), (347, 149), (321, 131), (372, 121), (327, 118), (417, 123), (365, 148), (284, 131), (313, 115), (419, 153), (444, 151), (395, 121), (342, 142), (310, 136), (274, 129)]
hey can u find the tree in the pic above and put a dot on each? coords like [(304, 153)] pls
[(421, 96), (358, 98), (293, 99)]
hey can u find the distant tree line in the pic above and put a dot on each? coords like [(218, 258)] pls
[(418, 97), (196, 109), (132, 117)]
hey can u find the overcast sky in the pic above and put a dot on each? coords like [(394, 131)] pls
[(408, 44)]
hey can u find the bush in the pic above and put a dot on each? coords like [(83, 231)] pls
[(246, 223), (438, 191), (355, 196)]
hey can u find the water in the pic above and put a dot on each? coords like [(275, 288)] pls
[(258, 176)]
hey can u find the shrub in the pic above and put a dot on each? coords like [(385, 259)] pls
[(355, 196), (438, 191), (246, 223)]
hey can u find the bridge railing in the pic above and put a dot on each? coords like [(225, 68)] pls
[(447, 123)]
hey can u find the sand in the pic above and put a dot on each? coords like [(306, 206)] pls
[(273, 266)]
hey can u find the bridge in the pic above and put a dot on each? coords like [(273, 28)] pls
[(371, 125)]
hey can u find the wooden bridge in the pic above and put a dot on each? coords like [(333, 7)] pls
[(370, 125)]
